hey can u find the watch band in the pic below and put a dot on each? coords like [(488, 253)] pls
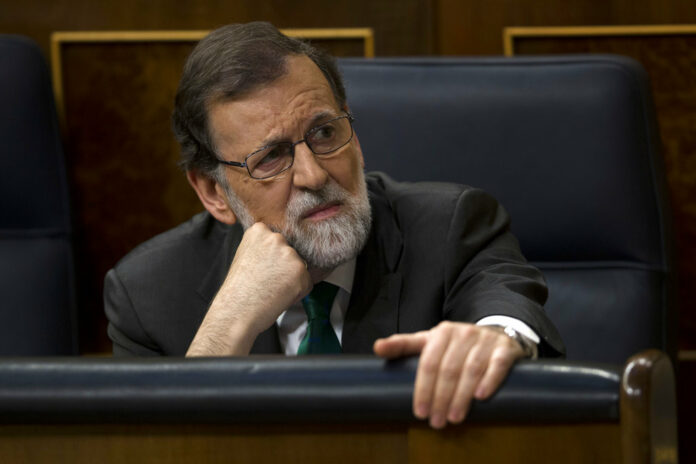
[(530, 348)]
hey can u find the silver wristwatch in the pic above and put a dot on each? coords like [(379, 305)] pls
[(530, 348)]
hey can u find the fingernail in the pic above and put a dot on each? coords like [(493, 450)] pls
[(421, 411), (455, 416), (437, 421)]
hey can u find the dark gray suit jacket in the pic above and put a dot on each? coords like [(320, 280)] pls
[(436, 251)]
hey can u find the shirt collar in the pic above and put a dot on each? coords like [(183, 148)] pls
[(343, 275)]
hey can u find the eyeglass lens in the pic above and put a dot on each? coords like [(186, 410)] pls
[(322, 140)]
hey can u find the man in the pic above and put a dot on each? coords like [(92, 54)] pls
[(401, 269)]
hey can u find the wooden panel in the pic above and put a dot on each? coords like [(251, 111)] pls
[(686, 403), (401, 28), (127, 444), (340, 41), (115, 93), (648, 409), (669, 55), (580, 443), (474, 27), (121, 159), (383, 444)]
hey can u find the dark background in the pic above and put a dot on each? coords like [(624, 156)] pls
[(120, 151)]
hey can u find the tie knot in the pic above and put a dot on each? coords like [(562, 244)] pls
[(318, 303)]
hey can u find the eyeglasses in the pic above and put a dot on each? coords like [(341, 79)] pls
[(273, 159)]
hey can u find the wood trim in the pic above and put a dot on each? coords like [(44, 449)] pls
[(57, 80), (364, 33), (396, 443), (58, 38), (686, 355), (510, 33), (648, 409)]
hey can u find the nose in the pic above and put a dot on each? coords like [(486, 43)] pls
[(307, 172)]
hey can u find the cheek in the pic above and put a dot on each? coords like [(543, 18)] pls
[(344, 170), (267, 202)]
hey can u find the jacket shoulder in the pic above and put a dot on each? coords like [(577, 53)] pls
[(197, 240), (426, 202)]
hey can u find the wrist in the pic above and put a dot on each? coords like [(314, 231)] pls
[(223, 333)]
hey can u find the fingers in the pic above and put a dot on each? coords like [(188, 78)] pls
[(458, 362), (428, 371), (501, 360), (455, 402), (478, 367), (437, 386), (265, 277)]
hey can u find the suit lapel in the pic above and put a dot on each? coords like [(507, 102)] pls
[(373, 311)]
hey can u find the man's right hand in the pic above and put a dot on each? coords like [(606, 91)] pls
[(266, 277)]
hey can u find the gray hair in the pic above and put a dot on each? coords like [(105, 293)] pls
[(226, 64)]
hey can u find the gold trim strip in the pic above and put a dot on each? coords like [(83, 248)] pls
[(60, 37), (510, 33), (508, 44), (365, 33), (686, 355), (57, 79)]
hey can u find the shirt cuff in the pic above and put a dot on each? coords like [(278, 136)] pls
[(507, 321)]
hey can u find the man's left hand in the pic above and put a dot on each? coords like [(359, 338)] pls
[(458, 362)]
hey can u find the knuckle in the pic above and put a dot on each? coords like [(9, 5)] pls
[(450, 372), (500, 359), (468, 329), (492, 333), (276, 238), (444, 326), (465, 331), (428, 366), (475, 367), (289, 255)]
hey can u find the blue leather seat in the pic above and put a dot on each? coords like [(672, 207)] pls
[(37, 313), (569, 146)]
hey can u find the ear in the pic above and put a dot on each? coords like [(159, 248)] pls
[(346, 108), (212, 195)]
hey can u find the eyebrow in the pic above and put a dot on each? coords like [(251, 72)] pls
[(315, 121)]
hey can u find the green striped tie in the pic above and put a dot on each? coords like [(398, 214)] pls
[(320, 337)]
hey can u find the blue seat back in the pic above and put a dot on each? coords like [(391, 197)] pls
[(569, 146)]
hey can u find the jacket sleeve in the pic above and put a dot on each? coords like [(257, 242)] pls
[(486, 273), (125, 330)]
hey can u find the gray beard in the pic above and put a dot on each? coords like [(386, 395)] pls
[(327, 243)]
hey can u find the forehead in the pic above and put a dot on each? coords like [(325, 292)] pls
[(280, 109)]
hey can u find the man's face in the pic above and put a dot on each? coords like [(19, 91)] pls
[(320, 204)]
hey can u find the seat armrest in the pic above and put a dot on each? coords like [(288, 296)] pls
[(281, 389)]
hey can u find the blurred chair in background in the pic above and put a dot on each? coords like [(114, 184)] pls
[(37, 297)]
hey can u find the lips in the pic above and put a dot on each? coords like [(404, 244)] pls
[(322, 211)]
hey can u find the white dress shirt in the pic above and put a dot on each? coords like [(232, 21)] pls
[(292, 324)]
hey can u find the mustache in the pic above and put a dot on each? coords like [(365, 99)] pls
[(301, 202)]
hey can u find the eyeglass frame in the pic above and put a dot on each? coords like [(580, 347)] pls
[(245, 164)]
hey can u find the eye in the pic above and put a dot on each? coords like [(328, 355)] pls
[(323, 133), (270, 157), (268, 161)]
